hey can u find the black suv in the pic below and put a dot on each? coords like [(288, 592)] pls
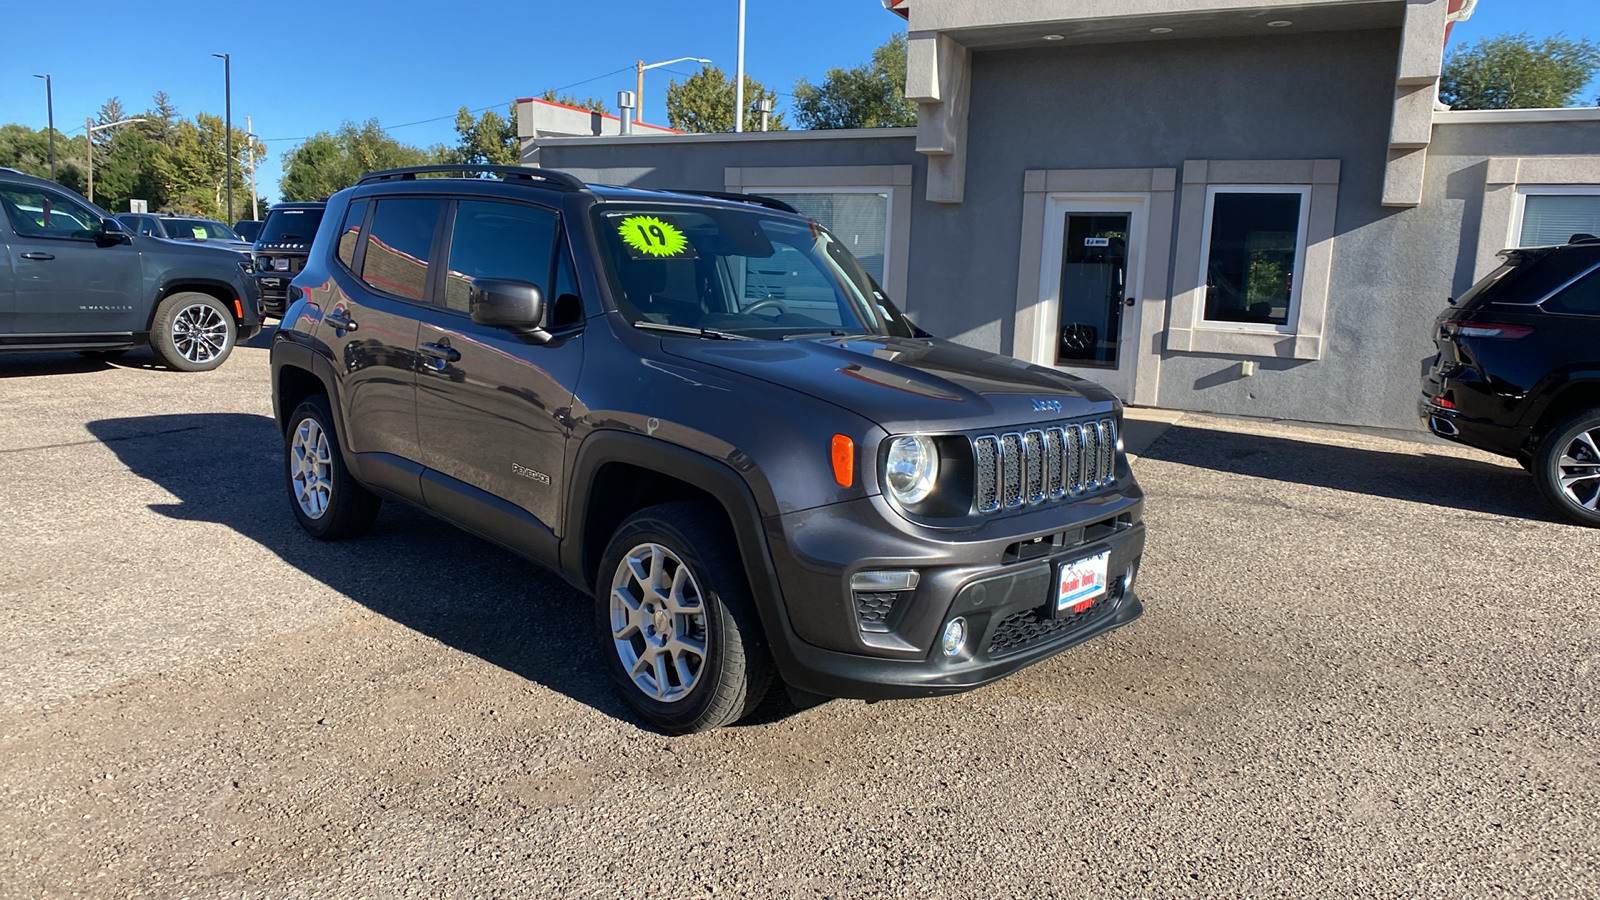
[(72, 278), (281, 248), (703, 412), (1518, 371)]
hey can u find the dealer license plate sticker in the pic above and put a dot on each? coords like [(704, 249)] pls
[(1081, 583)]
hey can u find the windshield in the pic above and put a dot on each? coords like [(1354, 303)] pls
[(247, 230), (739, 271), (291, 226), (198, 230)]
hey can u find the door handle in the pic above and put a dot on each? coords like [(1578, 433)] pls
[(37, 255), (440, 351), (1130, 301), (339, 320)]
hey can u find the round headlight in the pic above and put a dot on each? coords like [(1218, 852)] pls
[(911, 469)]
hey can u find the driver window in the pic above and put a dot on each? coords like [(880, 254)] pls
[(47, 214)]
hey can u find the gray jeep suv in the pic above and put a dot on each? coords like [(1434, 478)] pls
[(72, 278), (701, 411)]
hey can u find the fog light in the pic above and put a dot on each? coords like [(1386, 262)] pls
[(885, 580), (955, 637)]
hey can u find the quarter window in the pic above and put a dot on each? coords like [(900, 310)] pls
[(498, 240), (1582, 297), (398, 245), (350, 234), (41, 213), (1254, 241)]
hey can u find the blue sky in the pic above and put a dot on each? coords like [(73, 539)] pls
[(301, 67)]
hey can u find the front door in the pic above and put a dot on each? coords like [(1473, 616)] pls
[(1090, 270), (64, 283), (492, 406)]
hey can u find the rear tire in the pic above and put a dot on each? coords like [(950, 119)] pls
[(677, 627), (193, 332), (327, 500), (1566, 468)]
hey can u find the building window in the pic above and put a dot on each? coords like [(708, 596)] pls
[(1553, 216), (1254, 240), (857, 217)]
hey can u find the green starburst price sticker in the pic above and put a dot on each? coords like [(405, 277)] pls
[(651, 237)]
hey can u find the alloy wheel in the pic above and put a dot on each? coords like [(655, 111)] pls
[(199, 333), (1579, 467), (658, 622), (311, 468)]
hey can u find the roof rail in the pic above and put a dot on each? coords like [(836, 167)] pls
[(757, 199), (553, 178)]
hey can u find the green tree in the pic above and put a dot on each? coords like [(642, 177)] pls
[(871, 95), (326, 163), (1513, 71), (488, 140), (26, 150), (704, 103), (593, 104)]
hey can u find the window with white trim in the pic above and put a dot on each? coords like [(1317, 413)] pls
[(858, 217), (1553, 215), (1253, 257)]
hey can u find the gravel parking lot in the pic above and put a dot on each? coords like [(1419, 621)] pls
[(1367, 668)]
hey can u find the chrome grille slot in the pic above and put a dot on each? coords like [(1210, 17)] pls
[(1033, 466), (1055, 471), (1043, 464), (986, 473), (1011, 470)]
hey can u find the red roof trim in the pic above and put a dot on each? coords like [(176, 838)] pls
[(592, 112)]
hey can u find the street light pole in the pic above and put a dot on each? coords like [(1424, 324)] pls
[(738, 78), (227, 135), (638, 94), (89, 128), (50, 111), (250, 146)]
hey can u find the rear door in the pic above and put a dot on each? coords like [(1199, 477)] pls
[(491, 406), (384, 248), (64, 283)]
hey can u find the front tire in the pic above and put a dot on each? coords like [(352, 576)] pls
[(677, 627), (193, 332), (327, 500), (1566, 468)]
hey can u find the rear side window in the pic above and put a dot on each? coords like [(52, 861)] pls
[(498, 240), (1582, 297), (396, 260), (350, 234), (1528, 277)]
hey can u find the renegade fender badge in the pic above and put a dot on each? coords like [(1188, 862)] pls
[(525, 472)]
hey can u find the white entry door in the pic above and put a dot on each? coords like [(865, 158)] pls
[(1089, 287)]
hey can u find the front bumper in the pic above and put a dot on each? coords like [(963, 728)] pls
[(1000, 578)]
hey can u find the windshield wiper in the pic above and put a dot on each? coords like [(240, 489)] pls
[(708, 333), (836, 332)]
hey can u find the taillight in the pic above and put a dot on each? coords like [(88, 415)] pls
[(1488, 330)]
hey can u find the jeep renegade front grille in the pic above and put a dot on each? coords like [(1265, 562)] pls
[(1039, 465)]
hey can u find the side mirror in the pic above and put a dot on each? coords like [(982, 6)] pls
[(111, 233), (517, 306)]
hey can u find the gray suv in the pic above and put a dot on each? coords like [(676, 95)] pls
[(72, 278), (702, 412)]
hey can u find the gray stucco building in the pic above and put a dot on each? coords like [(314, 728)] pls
[(1238, 206)]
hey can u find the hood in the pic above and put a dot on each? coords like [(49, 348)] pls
[(194, 249), (907, 384)]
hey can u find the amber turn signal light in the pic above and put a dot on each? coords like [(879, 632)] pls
[(844, 460)]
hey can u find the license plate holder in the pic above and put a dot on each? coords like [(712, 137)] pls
[(1081, 583), (272, 282)]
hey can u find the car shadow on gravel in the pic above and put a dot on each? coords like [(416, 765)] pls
[(49, 362), (226, 468), (1435, 478)]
